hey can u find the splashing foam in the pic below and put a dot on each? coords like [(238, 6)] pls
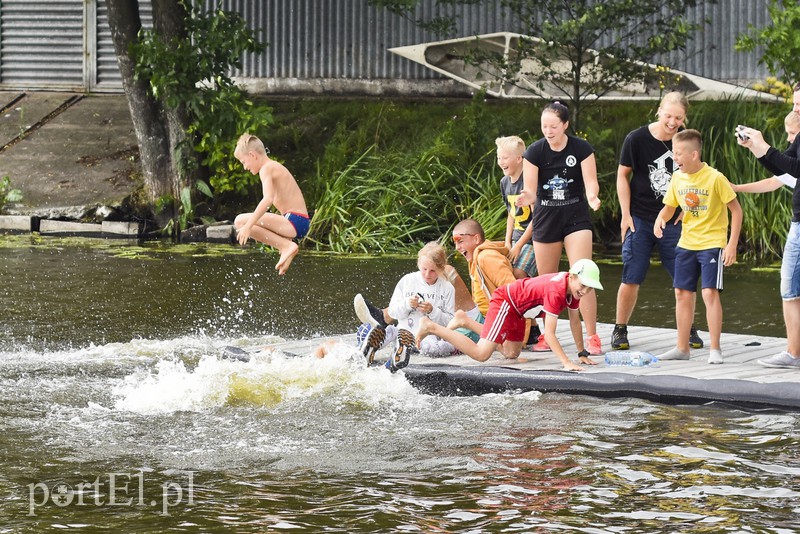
[(269, 379)]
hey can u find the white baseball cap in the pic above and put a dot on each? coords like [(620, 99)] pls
[(587, 272)]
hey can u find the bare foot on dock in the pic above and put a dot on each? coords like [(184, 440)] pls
[(425, 327), (287, 256), (458, 320)]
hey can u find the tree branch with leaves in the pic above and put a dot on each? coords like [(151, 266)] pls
[(582, 49), (780, 40)]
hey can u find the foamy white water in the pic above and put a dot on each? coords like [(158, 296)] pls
[(269, 378)]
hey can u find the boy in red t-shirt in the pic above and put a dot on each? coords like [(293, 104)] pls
[(543, 296)]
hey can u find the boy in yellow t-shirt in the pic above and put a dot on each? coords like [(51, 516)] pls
[(702, 193)]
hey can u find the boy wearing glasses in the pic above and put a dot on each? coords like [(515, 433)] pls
[(489, 268), (279, 189), (544, 296)]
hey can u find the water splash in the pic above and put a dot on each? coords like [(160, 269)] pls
[(270, 378)]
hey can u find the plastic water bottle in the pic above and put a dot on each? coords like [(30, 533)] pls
[(632, 358)]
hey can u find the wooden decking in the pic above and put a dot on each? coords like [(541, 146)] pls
[(740, 356), (740, 380)]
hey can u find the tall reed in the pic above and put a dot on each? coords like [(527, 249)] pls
[(391, 176)]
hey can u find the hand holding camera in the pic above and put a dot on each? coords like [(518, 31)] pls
[(752, 139), (740, 133)]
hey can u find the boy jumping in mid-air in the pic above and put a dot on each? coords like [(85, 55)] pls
[(280, 190)]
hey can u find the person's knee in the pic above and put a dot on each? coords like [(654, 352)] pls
[(683, 295), (484, 350), (710, 295), (629, 288), (791, 308), (239, 221)]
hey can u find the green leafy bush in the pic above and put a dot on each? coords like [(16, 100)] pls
[(7, 193), (386, 177), (198, 78)]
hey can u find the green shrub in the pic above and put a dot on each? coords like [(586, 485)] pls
[(7, 193), (385, 177), (198, 79)]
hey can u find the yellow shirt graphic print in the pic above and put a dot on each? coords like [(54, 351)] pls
[(522, 214), (704, 197)]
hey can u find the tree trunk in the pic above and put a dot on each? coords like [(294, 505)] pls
[(146, 112), (169, 22), (160, 130)]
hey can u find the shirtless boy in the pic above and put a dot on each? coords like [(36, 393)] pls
[(280, 190)]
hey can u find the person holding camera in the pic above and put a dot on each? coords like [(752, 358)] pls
[(787, 162)]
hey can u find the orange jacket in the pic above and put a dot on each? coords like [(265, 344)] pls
[(488, 270)]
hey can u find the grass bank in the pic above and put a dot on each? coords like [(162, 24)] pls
[(384, 176)]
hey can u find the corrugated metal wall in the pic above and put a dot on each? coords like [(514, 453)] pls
[(106, 74), (327, 39), (346, 38), (41, 43), (349, 39), (711, 54), (44, 43)]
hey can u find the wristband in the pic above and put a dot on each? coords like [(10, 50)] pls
[(583, 354)]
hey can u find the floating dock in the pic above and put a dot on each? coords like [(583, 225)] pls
[(740, 381)]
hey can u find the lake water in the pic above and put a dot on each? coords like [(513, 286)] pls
[(118, 415)]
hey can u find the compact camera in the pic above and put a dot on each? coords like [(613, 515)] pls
[(740, 133)]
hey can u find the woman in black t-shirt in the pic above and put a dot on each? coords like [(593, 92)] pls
[(645, 169), (560, 176)]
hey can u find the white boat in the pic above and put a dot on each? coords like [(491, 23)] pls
[(448, 57)]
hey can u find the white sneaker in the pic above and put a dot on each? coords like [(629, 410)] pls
[(367, 312), (783, 360), (715, 356)]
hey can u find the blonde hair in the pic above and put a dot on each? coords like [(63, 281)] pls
[(675, 97), (792, 118), (249, 143), (435, 253), (689, 136), (512, 144)]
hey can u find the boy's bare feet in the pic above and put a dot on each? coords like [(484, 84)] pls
[(287, 255), (458, 320), (425, 327)]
